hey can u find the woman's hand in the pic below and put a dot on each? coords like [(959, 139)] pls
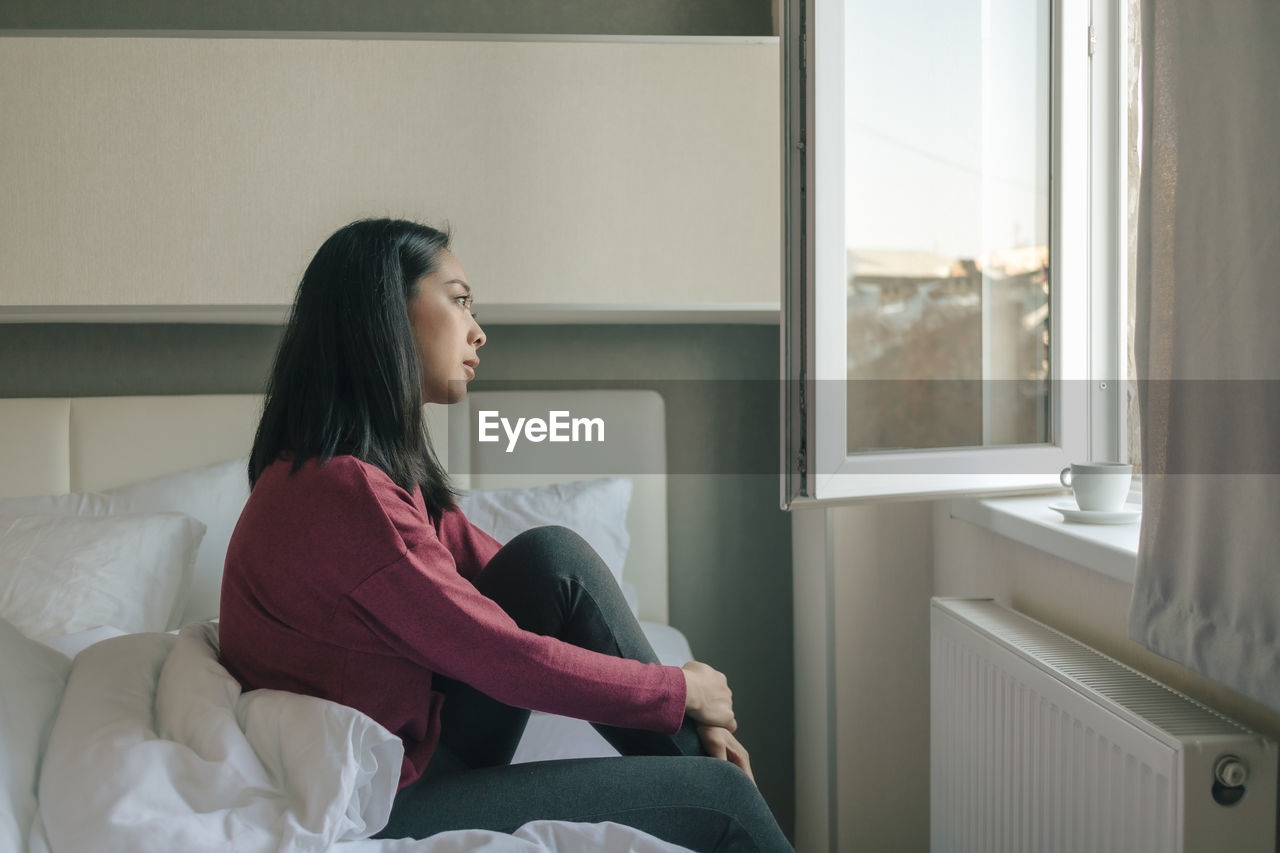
[(720, 743), (708, 698)]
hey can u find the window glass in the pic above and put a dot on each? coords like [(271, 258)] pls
[(947, 127)]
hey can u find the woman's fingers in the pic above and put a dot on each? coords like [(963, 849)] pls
[(720, 743), (708, 697), (713, 741), (738, 755)]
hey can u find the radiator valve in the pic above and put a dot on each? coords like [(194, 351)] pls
[(1229, 776), (1231, 771)]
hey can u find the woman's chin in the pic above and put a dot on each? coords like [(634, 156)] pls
[(454, 392)]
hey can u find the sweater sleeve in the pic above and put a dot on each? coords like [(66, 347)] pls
[(424, 609), (471, 547)]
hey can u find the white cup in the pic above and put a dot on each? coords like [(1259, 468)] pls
[(1099, 486)]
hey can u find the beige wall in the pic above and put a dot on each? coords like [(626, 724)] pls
[(882, 585), (206, 171), (862, 676)]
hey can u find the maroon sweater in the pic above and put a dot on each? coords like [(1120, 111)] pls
[(339, 585)]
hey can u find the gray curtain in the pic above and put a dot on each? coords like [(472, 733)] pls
[(1207, 342)]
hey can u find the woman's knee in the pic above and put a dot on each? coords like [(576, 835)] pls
[(554, 536), (722, 786), (722, 777), (556, 550)]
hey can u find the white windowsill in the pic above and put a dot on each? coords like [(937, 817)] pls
[(1111, 549)]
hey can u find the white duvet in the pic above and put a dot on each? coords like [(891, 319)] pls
[(155, 749)]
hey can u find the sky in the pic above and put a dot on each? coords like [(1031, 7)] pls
[(946, 151)]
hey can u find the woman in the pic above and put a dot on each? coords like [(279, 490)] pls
[(352, 576)]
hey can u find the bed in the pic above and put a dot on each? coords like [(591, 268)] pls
[(122, 730)]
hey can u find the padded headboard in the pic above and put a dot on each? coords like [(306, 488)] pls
[(86, 444), (82, 444)]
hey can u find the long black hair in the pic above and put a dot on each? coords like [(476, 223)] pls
[(347, 376)]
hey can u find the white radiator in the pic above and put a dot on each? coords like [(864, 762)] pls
[(1040, 743)]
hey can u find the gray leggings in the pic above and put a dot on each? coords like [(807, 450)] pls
[(551, 582)]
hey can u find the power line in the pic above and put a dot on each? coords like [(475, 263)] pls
[(938, 158)]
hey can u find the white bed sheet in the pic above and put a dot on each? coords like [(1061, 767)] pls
[(156, 749)]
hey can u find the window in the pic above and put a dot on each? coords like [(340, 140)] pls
[(954, 226)]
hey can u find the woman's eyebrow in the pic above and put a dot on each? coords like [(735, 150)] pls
[(461, 282)]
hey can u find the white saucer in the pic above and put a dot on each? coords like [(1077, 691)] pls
[(1070, 512)]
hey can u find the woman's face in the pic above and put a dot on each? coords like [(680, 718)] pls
[(446, 333)]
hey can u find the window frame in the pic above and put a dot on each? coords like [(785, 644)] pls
[(1087, 269)]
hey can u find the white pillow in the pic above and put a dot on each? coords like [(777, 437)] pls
[(34, 678), (78, 503), (594, 509), (62, 574), (214, 495)]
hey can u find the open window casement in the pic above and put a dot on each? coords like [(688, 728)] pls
[(953, 258)]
